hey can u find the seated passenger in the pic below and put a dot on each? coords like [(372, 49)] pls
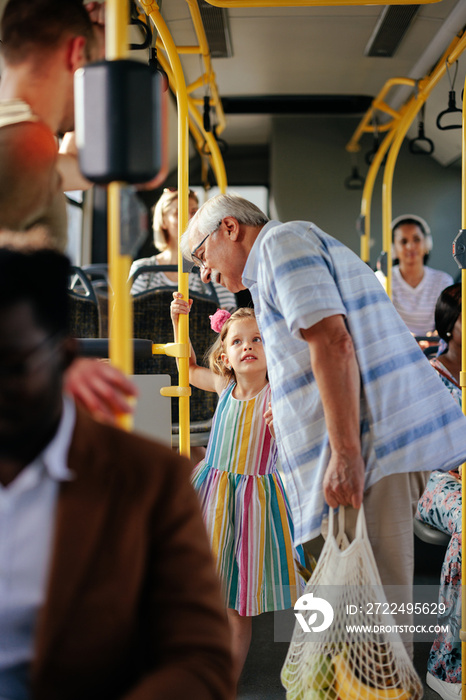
[(415, 286), (165, 226), (440, 507), (108, 586)]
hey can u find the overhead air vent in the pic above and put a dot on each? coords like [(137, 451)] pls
[(217, 29), (391, 27)]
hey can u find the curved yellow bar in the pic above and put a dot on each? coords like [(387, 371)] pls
[(367, 192), (217, 160), (196, 120), (152, 10), (205, 50), (463, 396), (425, 87), (309, 3), (366, 124), (121, 320)]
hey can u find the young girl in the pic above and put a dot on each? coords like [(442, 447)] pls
[(244, 504)]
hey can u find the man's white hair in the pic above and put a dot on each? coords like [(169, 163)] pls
[(209, 217)]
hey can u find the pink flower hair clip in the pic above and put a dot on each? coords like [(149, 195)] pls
[(218, 319)]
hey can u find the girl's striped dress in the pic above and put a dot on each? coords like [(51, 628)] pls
[(246, 510)]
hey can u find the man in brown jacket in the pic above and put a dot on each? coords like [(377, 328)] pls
[(107, 588)]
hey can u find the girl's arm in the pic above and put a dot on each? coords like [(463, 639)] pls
[(201, 377)]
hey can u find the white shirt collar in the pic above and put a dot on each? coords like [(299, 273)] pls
[(55, 455), (252, 263)]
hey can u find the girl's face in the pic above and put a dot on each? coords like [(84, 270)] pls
[(410, 244), (243, 349), (170, 218)]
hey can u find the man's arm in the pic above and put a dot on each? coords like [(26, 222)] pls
[(336, 371), (100, 388), (68, 165)]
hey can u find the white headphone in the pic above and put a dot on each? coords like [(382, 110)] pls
[(424, 226)]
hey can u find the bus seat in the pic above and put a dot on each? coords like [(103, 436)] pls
[(430, 534), (428, 344), (209, 289), (99, 277), (151, 312), (83, 308)]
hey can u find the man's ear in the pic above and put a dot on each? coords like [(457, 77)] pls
[(233, 227), (76, 53)]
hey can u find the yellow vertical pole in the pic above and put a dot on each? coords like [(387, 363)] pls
[(463, 399), (152, 10), (120, 341), (402, 127), (368, 190)]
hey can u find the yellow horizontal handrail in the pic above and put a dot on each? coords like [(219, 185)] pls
[(366, 124), (188, 49), (176, 391), (171, 349)]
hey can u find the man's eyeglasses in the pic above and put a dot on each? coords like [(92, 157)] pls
[(21, 367), (195, 258)]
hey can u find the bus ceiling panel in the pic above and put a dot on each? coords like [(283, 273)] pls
[(321, 51), (285, 52)]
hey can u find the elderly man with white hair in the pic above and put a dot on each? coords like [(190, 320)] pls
[(359, 414)]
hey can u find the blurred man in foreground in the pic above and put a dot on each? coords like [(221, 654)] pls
[(107, 585)]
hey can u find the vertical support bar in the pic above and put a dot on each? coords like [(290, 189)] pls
[(368, 191), (463, 399), (116, 21), (402, 128), (121, 322), (152, 10)]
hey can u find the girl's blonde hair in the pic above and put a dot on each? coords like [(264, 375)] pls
[(168, 196), (214, 355)]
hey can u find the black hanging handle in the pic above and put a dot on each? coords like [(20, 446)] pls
[(146, 30), (206, 119), (415, 144), (452, 108), (354, 181)]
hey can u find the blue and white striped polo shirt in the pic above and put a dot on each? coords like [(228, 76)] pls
[(299, 275)]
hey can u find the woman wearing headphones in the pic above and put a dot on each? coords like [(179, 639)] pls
[(415, 286)]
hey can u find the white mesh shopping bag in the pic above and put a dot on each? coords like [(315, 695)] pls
[(327, 659)]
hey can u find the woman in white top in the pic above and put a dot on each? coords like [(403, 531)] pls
[(165, 227), (415, 286)]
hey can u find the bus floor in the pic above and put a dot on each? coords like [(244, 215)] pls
[(260, 679)]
